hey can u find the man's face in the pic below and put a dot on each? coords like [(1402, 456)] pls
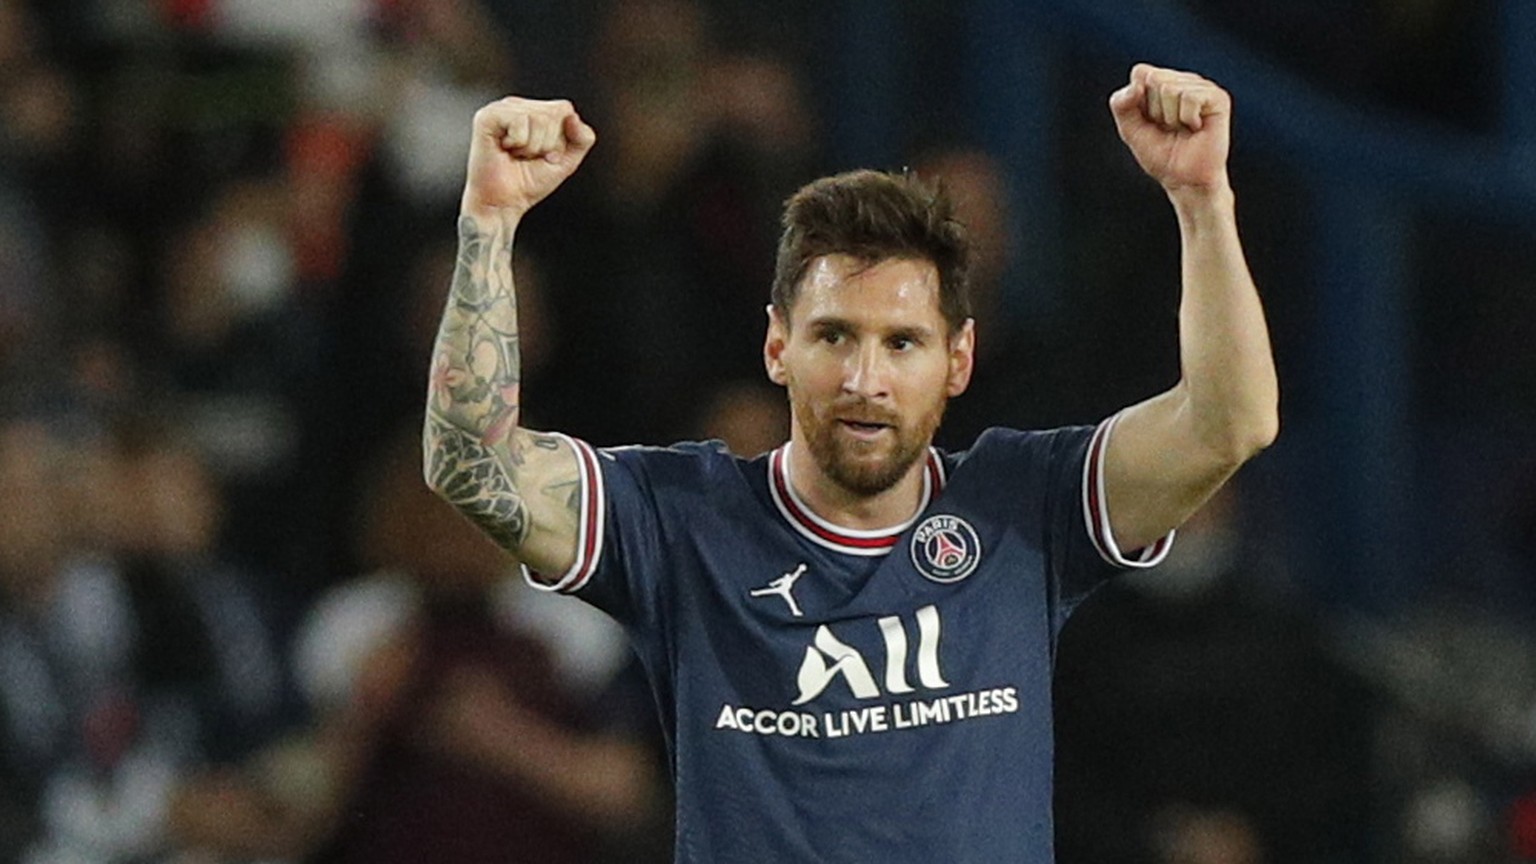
[(869, 364)]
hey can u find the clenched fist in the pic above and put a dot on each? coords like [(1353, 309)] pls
[(1177, 125), (521, 151)]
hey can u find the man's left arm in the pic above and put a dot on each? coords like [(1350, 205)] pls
[(1167, 455)]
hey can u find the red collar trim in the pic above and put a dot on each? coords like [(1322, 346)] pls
[(832, 536)]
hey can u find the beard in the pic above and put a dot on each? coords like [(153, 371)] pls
[(864, 467)]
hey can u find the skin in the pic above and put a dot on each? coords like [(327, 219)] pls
[(517, 485), (1167, 455), (869, 363), (1173, 451)]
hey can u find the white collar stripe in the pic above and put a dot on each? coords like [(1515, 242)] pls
[(829, 535)]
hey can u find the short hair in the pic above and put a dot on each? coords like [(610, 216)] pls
[(875, 216)]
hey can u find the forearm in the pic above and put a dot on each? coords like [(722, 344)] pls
[(476, 365), (1168, 454), (474, 391), (1228, 387)]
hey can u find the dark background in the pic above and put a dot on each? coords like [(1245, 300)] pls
[(233, 221)]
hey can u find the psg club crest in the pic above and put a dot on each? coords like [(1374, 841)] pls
[(945, 548)]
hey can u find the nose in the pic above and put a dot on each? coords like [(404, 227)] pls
[(867, 372)]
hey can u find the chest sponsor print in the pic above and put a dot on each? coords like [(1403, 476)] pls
[(886, 699)]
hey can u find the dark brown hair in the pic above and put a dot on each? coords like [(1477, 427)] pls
[(874, 216)]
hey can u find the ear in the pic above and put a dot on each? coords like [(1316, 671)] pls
[(962, 357), (773, 346)]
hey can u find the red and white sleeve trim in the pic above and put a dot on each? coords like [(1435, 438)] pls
[(1096, 510), (589, 527)]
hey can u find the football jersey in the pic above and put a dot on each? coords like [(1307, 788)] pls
[(851, 696)]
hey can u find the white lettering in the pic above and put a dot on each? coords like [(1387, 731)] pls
[(1010, 699), (789, 724), (936, 711), (928, 649), (870, 718), (895, 654), (957, 705), (815, 675)]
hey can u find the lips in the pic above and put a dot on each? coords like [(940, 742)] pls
[(865, 429)]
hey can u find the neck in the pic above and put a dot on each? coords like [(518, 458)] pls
[(849, 509)]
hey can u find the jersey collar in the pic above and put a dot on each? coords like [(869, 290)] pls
[(835, 537)]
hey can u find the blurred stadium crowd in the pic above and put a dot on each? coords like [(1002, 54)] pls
[(235, 627)]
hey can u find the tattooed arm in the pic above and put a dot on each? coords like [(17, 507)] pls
[(516, 485)]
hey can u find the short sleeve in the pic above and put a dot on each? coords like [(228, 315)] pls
[(591, 522), (620, 538), (1081, 545), (1096, 511)]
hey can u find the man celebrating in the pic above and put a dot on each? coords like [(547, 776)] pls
[(850, 638)]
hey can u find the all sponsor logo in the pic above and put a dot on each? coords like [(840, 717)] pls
[(945, 548), (831, 661)]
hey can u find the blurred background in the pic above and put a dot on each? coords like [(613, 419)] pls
[(233, 627)]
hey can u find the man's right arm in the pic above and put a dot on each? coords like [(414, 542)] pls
[(522, 488)]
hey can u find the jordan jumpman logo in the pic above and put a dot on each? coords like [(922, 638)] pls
[(782, 586)]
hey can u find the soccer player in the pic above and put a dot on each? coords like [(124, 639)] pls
[(850, 638)]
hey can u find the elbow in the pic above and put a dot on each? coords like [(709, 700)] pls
[(435, 487), (430, 475), (1232, 430), (1268, 430), (432, 460), (1246, 438), (1263, 425)]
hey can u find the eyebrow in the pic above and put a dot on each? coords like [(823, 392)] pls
[(916, 333), (829, 322)]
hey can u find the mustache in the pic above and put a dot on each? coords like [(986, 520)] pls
[(862, 411)]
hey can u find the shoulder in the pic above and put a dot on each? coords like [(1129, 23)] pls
[(701, 464), (1024, 445), (684, 456), (682, 450)]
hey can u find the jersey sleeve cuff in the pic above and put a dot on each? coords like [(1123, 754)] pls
[(1096, 510), (592, 509)]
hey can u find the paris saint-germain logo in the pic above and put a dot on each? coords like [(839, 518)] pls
[(945, 548)]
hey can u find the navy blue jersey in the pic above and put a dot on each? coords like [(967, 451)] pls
[(852, 696)]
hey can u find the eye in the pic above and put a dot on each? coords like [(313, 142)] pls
[(832, 337), (901, 343)]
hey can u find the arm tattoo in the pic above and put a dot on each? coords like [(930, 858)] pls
[(567, 493), (469, 476), (476, 365), (472, 399)]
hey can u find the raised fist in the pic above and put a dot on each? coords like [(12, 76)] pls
[(521, 151), (1177, 125)]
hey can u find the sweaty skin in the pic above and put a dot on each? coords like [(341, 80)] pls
[(521, 487), (861, 413)]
